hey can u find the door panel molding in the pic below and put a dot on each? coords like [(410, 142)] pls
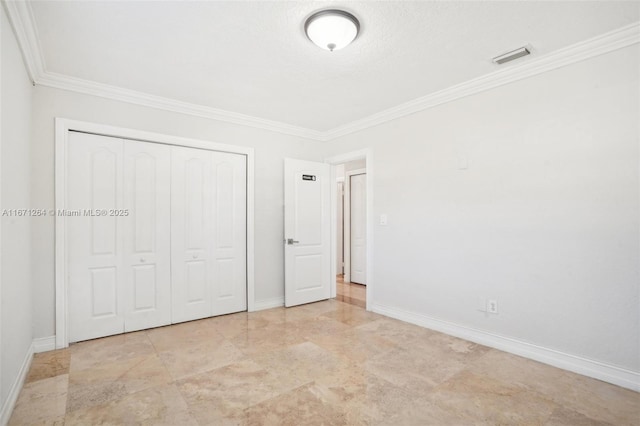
[(63, 127), (146, 242)]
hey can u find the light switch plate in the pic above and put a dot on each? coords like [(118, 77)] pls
[(383, 219)]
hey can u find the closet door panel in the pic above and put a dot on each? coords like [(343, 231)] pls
[(147, 180), (229, 206), (190, 233), (94, 236)]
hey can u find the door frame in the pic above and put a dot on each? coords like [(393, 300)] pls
[(346, 157), (62, 128), (347, 221)]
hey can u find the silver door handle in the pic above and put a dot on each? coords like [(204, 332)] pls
[(291, 241), (142, 260)]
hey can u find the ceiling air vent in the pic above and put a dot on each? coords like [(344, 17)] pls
[(510, 56)]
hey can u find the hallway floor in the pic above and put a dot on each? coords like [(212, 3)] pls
[(352, 293), (328, 363)]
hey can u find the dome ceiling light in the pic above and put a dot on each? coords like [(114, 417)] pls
[(332, 29)]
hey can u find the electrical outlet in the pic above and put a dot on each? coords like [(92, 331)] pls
[(492, 306)]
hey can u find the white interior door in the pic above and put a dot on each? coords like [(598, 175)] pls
[(208, 233), (147, 249), (358, 204), (94, 240), (340, 228), (229, 232), (307, 231), (191, 272)]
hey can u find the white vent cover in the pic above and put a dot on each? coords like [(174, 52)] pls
[(510, 56)]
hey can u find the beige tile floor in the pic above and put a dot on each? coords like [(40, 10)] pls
[(352, 293), (327, 363)]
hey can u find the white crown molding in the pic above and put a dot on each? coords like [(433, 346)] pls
[(74, 84), (577, 364), (22, 21), (21, 17), (608, 42)]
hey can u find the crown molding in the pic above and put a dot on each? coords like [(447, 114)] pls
[(60, 81), (21, 17), (608, 42)]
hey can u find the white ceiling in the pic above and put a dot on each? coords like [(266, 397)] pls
[(251, 57)]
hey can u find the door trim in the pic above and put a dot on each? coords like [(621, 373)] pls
[(367, 154), (62, 128), (346, 213)]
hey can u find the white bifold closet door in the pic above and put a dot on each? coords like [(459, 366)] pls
[(208, 233), (118, 245), (155, 234)]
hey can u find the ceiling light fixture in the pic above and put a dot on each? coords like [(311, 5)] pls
[(332, 29)]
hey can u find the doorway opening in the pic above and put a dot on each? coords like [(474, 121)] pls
[(350, 183)]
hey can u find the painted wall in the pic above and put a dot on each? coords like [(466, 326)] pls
[(15, 277), (527, 194), (270, 150)]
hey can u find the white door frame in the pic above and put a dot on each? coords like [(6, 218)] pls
[(63, 126), (346, 254), (367, 154)]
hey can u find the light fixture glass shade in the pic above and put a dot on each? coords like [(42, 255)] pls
[(332, 29)]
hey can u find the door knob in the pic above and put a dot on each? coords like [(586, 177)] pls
[(142, 260), (291, 241), (195, 256)]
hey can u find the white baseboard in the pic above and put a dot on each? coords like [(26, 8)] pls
[(12, 397), (598, 370), (275, 302), (44, 344)]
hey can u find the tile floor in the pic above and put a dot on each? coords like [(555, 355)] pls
[(327, 363), (352, 293)]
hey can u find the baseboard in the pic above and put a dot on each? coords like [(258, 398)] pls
[(275, 302), (598, 370), (12, 397), (44, 344)]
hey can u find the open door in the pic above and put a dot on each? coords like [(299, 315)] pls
[(306, 231), (358, 228)]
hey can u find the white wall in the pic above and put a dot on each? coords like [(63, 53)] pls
[(270, 149), (15, 278), (355, 165), (545, 219)]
